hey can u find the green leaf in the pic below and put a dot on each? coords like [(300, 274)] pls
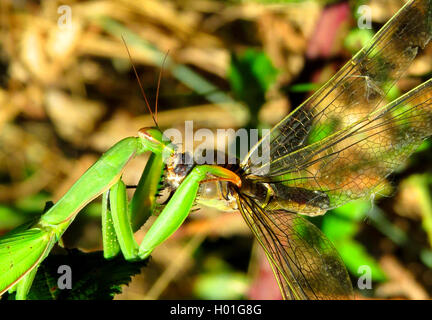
[(250, 76), (226, 285), (25, 209), (322, 132), (10, 218), (419, 185), (340, 227), (355, 256), (357, 39), (32, 203), (305, 87), (93, 277), (356, 210), (424, 146), (337, 227)]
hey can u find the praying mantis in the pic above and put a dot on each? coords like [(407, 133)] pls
[(24, 248), (338, 146)]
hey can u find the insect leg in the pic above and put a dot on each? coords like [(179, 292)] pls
[(109, 238)]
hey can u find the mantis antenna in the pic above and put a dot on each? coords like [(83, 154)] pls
[(141, 87), (158, 84)]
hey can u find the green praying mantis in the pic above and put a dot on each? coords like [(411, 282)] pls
[(338, 146), (24, 248)]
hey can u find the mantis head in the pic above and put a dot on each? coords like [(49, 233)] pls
[(153, 140)]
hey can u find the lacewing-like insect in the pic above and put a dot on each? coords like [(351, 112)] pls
[(338, 146)]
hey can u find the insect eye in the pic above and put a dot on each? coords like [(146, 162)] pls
[(209, 190), (151, 134), (146, 132)]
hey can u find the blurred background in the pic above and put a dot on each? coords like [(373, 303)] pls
[(68, 93)]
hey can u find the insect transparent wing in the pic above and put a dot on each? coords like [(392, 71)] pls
[(353, 163), (354, 92), (347, 150), (305, 263)]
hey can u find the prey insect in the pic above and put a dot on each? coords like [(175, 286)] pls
[(338, 146)]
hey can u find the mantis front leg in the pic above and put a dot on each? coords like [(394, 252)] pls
[(139, 210), (170, 219)]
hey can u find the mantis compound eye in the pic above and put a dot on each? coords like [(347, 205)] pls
[(152, 139), (151, 134)]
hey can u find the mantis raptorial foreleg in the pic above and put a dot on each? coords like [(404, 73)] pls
[(170, 219), (180, 205), (109, 238), (139, 210), (144, 198)]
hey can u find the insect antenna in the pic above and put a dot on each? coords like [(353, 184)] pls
[(139, 82), (158, 84)]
